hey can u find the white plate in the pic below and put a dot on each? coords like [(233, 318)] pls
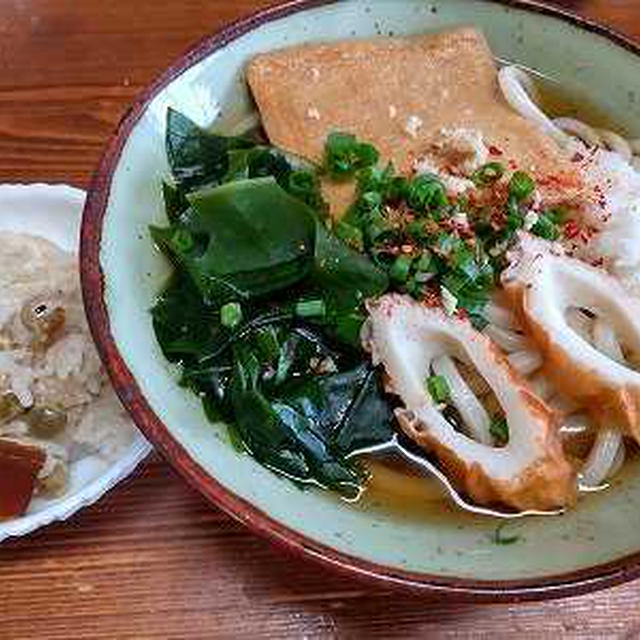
[(54, 212)]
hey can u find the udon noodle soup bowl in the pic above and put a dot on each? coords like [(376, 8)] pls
[(467, 557)]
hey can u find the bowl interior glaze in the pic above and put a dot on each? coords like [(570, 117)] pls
[(456, 553)]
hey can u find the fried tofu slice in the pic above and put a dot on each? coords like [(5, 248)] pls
[(399, 94)]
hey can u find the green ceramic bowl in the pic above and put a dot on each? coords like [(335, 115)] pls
[(595, 545)]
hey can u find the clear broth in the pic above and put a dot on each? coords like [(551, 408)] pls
[(556, 101)]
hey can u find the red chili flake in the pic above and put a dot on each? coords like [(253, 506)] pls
[(495, 151), (571, 229), (587, 234), (600, 196), (513, 165), (497, 217), (431, 298)]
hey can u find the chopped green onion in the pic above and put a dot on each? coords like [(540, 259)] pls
[(500, 539), (345, 154), (367, 154), (546, 228), (425, 263), (231, 315), (422, 277), (371, 200), (462, 259), (426, 192), (414, 286), (182, 241), (400, 268), (438, 389), (378, 228), (449, 301), (558, 215), (444, 244), (478, 321), (515, 217), (487, 174), (416, 230), (305, 186), (499, 429), (375, 179), (398, 188), (548, 224), (311, 309), (349, 234), (302, 183), (455, 282), (521, 186), (463, 203)]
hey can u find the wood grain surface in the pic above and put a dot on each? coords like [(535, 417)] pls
[(151, 560)]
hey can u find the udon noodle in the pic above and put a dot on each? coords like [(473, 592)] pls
[(517, 88), (608, 452)]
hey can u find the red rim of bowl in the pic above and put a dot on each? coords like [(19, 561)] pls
[(567, 584)]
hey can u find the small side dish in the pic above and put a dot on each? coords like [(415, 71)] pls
[(408, 260), (56, 406)]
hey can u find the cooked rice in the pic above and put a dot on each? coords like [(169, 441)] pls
[(59, 370)]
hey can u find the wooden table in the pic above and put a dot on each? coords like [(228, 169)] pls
[(152, 560)]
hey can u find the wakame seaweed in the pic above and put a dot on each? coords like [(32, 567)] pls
[(242, 239), (264, 309), (199, 158)]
